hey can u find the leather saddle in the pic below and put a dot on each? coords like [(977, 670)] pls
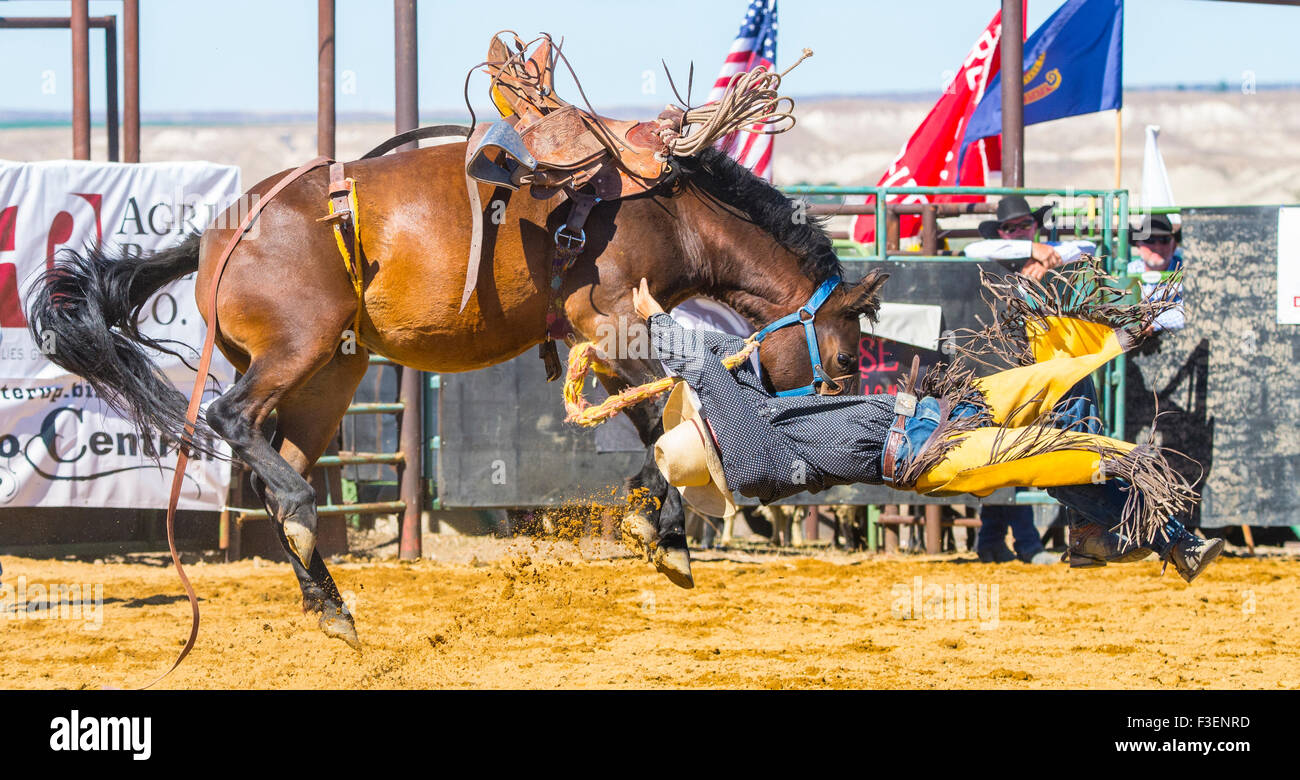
[(553, 148), (550, 144)]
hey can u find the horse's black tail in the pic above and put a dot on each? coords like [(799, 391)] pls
[(84, 314)]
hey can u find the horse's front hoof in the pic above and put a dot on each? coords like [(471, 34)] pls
[(337, 624), (676, 566), (301, 539)]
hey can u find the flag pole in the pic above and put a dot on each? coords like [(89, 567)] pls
[(1012, 50), (1119, 143)]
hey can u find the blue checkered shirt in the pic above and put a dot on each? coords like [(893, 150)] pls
[(774, 447)]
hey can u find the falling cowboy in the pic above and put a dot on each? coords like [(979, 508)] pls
[(958, 434)]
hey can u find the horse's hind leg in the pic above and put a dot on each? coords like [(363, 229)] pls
[(306, 420), (238, 417)]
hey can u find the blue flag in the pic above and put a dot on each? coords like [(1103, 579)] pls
[(1072, 66)]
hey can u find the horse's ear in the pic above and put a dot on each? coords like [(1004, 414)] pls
[(864, 297)]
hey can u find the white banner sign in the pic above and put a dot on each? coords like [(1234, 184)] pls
[(59, 444), (1288, 266)]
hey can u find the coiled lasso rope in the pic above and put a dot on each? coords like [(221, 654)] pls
[(585, 357), (750, 104)]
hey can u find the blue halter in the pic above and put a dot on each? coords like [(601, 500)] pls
[(810, 333)]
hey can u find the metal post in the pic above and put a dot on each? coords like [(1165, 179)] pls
[(331, 476), (930, 229), (1013, 94), (131, 77), (407, 76), (1121, 363), (933, 529), (80, 20), (881, 251), (408, 117), (325, 78), (110, 101)]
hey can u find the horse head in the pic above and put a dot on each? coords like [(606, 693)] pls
[(759, 252)]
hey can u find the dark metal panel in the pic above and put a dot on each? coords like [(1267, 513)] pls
[(1226, 385), (505, 442)]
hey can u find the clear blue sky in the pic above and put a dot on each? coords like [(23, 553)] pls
[(204, 56)]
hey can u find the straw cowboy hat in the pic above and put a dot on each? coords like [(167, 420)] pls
[(688, 456)]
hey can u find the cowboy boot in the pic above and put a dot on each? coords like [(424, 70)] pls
[(1190, 554), (1092, 546)]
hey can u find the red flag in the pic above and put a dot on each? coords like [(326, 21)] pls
[(929, 159)]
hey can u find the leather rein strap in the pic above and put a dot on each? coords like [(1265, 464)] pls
[(196, 397)]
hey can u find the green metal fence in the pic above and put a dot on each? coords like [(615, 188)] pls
[(1105, 216)]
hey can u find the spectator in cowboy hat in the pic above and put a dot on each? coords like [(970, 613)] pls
[(1011, 237), (1157, 246)]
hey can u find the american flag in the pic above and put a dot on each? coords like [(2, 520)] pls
[(755, 45)]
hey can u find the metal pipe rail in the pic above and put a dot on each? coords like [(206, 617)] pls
[(1114, 245), (1114, 237), (327, 510), (81, 69)]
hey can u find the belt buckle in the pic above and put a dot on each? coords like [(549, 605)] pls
[(905, 404)]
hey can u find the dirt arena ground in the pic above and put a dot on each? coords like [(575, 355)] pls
[(521, 613)]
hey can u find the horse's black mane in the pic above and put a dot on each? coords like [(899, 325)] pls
[(731, 183)]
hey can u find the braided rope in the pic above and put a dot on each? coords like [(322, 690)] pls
[(751, 104), (585, 357)]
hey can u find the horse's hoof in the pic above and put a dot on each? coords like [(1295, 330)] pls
[(302, 540), (676, 566), (641, 532), (338, 625)]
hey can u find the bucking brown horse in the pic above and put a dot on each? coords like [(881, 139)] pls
[(286, 299)]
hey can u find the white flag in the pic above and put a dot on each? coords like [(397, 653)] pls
[(1156, 191)]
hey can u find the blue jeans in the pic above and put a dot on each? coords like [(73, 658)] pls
[(993, 527), (1100, 504)]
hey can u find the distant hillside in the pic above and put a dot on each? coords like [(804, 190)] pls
[(1221, 147)]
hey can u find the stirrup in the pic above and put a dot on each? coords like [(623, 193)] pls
[(501, 136)]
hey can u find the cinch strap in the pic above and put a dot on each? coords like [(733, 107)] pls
[(346, 219)]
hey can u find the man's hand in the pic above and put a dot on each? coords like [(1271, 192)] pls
[(644, 303), (1041, 259)]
